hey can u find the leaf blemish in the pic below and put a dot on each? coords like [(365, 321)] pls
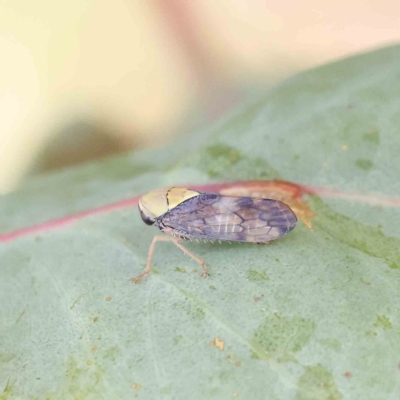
[(223, 151), (223, 157), (177, 339), (218, 343), (372, 137), (368, 239), (256, 276), (317, 383), (225, 161), (281, 337), (364, 164), (382, 321)]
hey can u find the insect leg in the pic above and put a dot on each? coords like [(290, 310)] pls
[(160, 238), (192, 255)]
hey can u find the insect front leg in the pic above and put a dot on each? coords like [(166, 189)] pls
[(150, 256)]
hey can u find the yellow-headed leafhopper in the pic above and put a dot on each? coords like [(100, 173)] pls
[(187, 214)]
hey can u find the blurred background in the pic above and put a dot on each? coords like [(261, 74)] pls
[(85, 79)]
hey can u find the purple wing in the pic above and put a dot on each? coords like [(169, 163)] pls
[(236, 219)]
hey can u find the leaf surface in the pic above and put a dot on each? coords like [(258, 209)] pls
[(313, 316)]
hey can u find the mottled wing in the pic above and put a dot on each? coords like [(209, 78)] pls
[(236, 219)]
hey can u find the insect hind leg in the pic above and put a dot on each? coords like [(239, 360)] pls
[(195, 258), (162, 238)]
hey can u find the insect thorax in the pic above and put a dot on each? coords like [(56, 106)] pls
[(171, 231)]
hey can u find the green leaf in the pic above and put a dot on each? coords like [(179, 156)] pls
[(313, 316)]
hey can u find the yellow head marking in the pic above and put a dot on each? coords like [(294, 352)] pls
[(177, 195), (157, 202)]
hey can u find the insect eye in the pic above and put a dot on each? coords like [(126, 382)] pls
[(146, 219)]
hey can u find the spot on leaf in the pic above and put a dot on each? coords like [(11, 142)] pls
[(256, 276), (364, 164), (382, 321), (218, 343), (317, 383), (368, 239), (281, 337), (372, 137)]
